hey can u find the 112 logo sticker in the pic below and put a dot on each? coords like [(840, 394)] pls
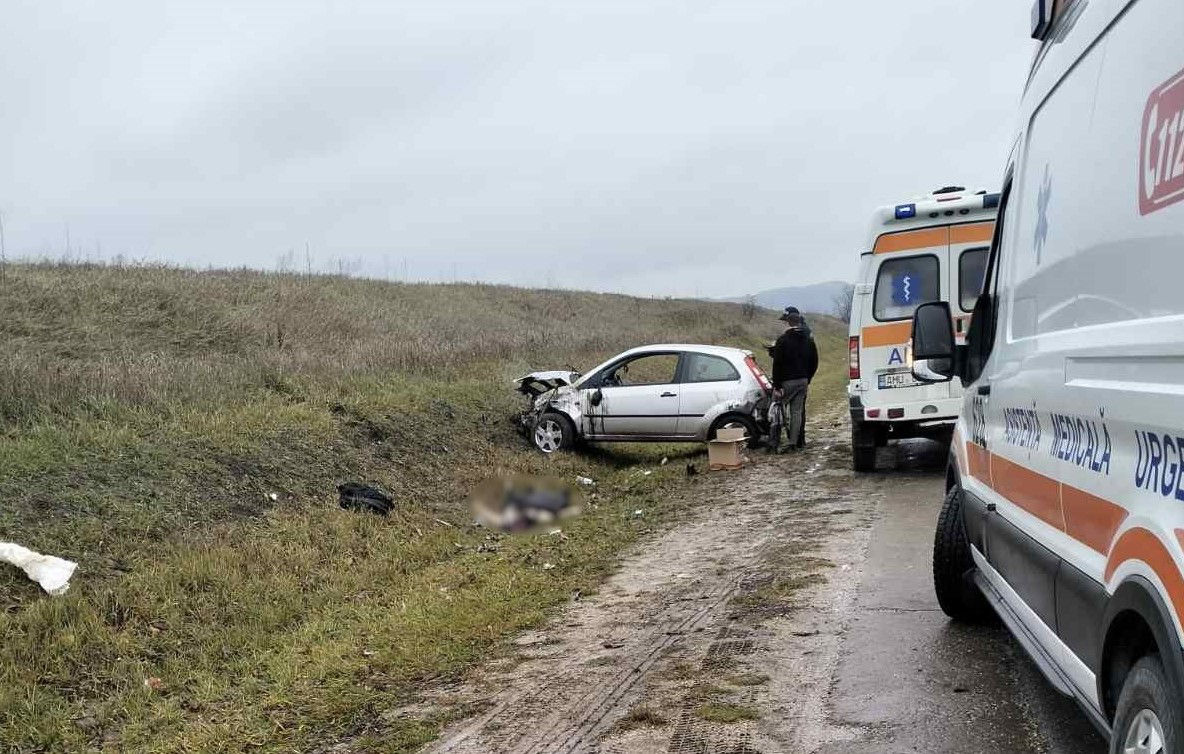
[(1161, 147)]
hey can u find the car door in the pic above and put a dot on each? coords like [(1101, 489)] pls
[(636, 397), (707, 381)]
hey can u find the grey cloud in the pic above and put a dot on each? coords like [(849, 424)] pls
[(649, 147)]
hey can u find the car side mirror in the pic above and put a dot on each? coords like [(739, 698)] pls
[(933, 342)]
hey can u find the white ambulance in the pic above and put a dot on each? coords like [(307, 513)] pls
[(1065, 503), (933, 248)]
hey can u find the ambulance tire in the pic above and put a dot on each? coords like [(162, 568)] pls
[(1147, 703), (958, 597), (863, 447)]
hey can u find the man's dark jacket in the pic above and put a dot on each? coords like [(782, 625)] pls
[(795, 356)]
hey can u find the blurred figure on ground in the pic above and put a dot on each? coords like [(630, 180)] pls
[(795, 361)]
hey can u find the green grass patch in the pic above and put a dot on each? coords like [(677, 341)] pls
[(748, 679), (642, 716)]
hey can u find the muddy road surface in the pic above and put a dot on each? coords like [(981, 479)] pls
[(791, 612)]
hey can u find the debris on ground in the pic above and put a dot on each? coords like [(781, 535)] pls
[(355, 496), (52, 574), (521, 503), (586, 481)]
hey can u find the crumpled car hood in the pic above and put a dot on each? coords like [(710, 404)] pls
[(537, 383)]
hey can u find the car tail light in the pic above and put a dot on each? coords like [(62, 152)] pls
[(755, 368), (853, 357), (873, 413)]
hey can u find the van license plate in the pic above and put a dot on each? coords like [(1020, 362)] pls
[(897, 379)]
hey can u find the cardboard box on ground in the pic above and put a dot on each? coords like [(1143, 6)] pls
[(726, 451)]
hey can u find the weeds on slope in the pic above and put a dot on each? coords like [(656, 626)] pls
[(180, 434)]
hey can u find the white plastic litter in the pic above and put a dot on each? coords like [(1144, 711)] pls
[(585, 481), (53, 574)]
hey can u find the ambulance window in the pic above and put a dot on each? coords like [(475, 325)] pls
[(972, 268), (904, 284)]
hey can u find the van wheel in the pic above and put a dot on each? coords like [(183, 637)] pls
[(863, 447), (1148, 718), (740, 421), (959, 598), (552, 433)]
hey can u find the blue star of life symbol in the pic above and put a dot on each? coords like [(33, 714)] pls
[(904, 289), (1042, 209)]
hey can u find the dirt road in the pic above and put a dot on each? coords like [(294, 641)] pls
[(793, 612)]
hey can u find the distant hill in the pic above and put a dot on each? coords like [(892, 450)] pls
[(818, 298)]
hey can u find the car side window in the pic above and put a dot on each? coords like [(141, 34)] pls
[(651, 369), (702, 367)]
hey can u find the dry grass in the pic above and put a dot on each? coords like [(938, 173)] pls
[(148, 416), (724, 712)]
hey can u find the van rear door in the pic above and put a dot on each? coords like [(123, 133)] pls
[(969, 245), (907, 269)]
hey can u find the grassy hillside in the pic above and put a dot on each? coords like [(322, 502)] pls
[(180, 435)]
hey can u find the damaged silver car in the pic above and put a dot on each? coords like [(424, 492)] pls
[(661, 393)]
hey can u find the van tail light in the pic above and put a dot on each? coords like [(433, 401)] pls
[(755, 368), (853, 357)]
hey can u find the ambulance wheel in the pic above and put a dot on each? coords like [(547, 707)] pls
[(863, 447), (553, 432), (1148, 718), (958, 597), (737, 421)]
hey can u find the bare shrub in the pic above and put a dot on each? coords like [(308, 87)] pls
[(842, 302)]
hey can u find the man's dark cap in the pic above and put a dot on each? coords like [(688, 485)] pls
[(790, 313)]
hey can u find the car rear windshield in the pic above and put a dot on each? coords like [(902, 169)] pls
[(905, 283), (972, 266)]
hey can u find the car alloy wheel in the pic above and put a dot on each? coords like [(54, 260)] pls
[(1145, 734), (548, 435)]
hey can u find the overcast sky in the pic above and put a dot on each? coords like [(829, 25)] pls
[(651, 147)]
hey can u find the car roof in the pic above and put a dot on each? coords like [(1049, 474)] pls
[(717, 350)]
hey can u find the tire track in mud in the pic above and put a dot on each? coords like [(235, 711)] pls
[(717, 594)]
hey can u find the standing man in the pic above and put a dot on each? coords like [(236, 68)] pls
[(795, 361)]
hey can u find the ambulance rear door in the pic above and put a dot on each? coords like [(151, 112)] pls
[(908, 269)]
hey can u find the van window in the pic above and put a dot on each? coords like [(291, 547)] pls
[(905, 283), (972, 267), (703, 368)]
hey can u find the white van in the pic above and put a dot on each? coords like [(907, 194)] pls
[(1065, 504), (933, 248)]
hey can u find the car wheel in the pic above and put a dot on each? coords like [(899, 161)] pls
[(863, 447), (552, 433), (1148, 718), (958, 596), (737, 421)]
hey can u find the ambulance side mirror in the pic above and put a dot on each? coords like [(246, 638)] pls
[(933, 342)]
